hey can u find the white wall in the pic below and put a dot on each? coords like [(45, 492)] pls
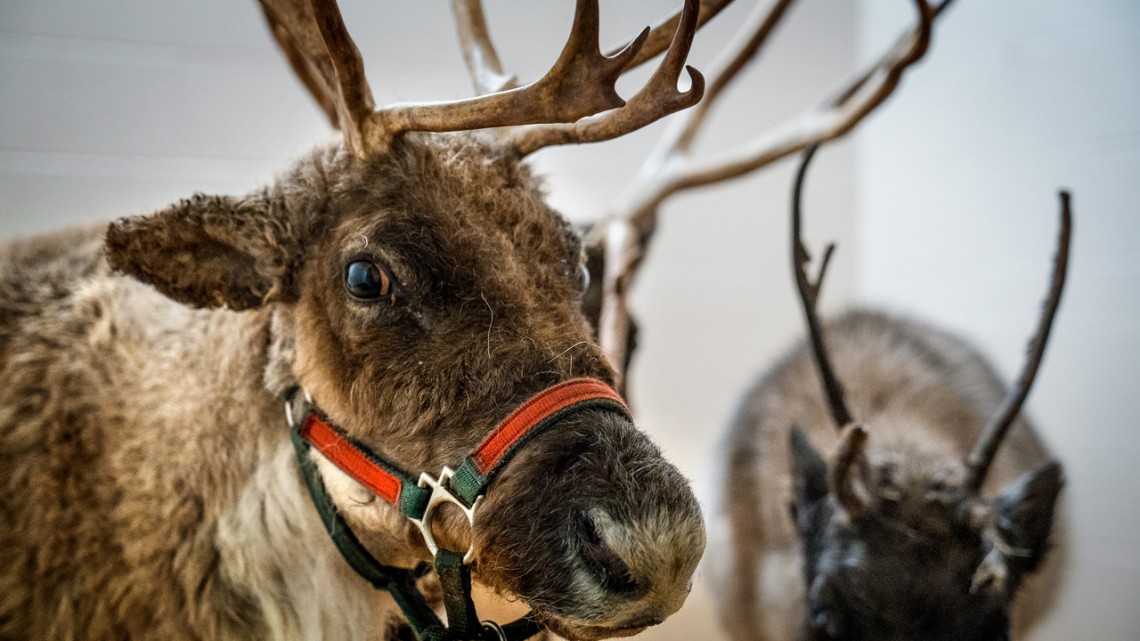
[(119, 107), (956, 220)]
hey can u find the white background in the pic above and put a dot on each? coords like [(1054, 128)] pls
[(943, 204)]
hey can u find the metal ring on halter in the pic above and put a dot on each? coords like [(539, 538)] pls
[(495, 629), (289, 404), (440, 494)]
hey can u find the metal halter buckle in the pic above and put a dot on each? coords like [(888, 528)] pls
[(441, 493)]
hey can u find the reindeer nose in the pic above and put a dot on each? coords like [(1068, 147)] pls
[(599, 534)]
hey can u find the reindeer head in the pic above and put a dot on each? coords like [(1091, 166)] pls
[(897, 542), (420, 289), (900, 549)]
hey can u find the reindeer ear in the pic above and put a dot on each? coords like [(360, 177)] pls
[(809, 471), (209, 251), (1024, 511)]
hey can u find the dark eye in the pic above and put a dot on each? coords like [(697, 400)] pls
[(583, 277), (367, 281)]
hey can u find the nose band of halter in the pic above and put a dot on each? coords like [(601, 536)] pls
[(417, 498), (470, 479)]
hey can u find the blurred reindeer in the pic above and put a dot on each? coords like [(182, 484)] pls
[(914, 527)]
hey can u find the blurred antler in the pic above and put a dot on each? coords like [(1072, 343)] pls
[(809, 296), (849, 457), (625, 234), (580, 84), (986, 448), (293, 26), (478, 51)]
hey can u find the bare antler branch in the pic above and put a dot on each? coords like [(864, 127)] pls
[(309, 76), (986, 448), (626, 233), (658, 98), (293, 27), (671, 169), (478, 51), (661, 35), (354, 104), (809, 295), (830, 121)]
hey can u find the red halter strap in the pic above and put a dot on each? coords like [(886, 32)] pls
[(470, 479)]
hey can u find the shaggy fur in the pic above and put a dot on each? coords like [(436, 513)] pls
[(148, 486), (905, 569)]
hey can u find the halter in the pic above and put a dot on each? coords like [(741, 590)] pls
[(418, 499)]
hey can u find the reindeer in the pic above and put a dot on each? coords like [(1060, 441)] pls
[(406, 291), (913, 527)]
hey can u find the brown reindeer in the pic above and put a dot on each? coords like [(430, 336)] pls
[(912, 527), (413, 283)]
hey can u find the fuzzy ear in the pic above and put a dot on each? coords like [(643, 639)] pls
[(809, 471), (210, 251), (1024, 512)]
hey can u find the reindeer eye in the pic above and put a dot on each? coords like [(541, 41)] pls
[(367, 281), (583, 277)]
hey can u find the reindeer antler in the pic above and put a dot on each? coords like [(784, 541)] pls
[(986, 448), (661, 35), (479, 52), (852, 437), (580, 84), (809, 295), (628, 230), (657, 98)]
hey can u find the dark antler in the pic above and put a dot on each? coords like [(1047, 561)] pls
[(661, 35), (984, 451), (809, 294), (479, 53)]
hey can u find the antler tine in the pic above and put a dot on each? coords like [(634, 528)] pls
[(726, 68), (828, 122), (658, 98), (479, 53), (809, 295), (847, 460), (354, 98), (986, 448), (302, 49), (661, 35), (314, 39), (581, 83)]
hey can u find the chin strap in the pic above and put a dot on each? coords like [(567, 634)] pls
[(417, 500)]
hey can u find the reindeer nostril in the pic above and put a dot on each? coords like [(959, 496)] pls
[(612, 571)]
